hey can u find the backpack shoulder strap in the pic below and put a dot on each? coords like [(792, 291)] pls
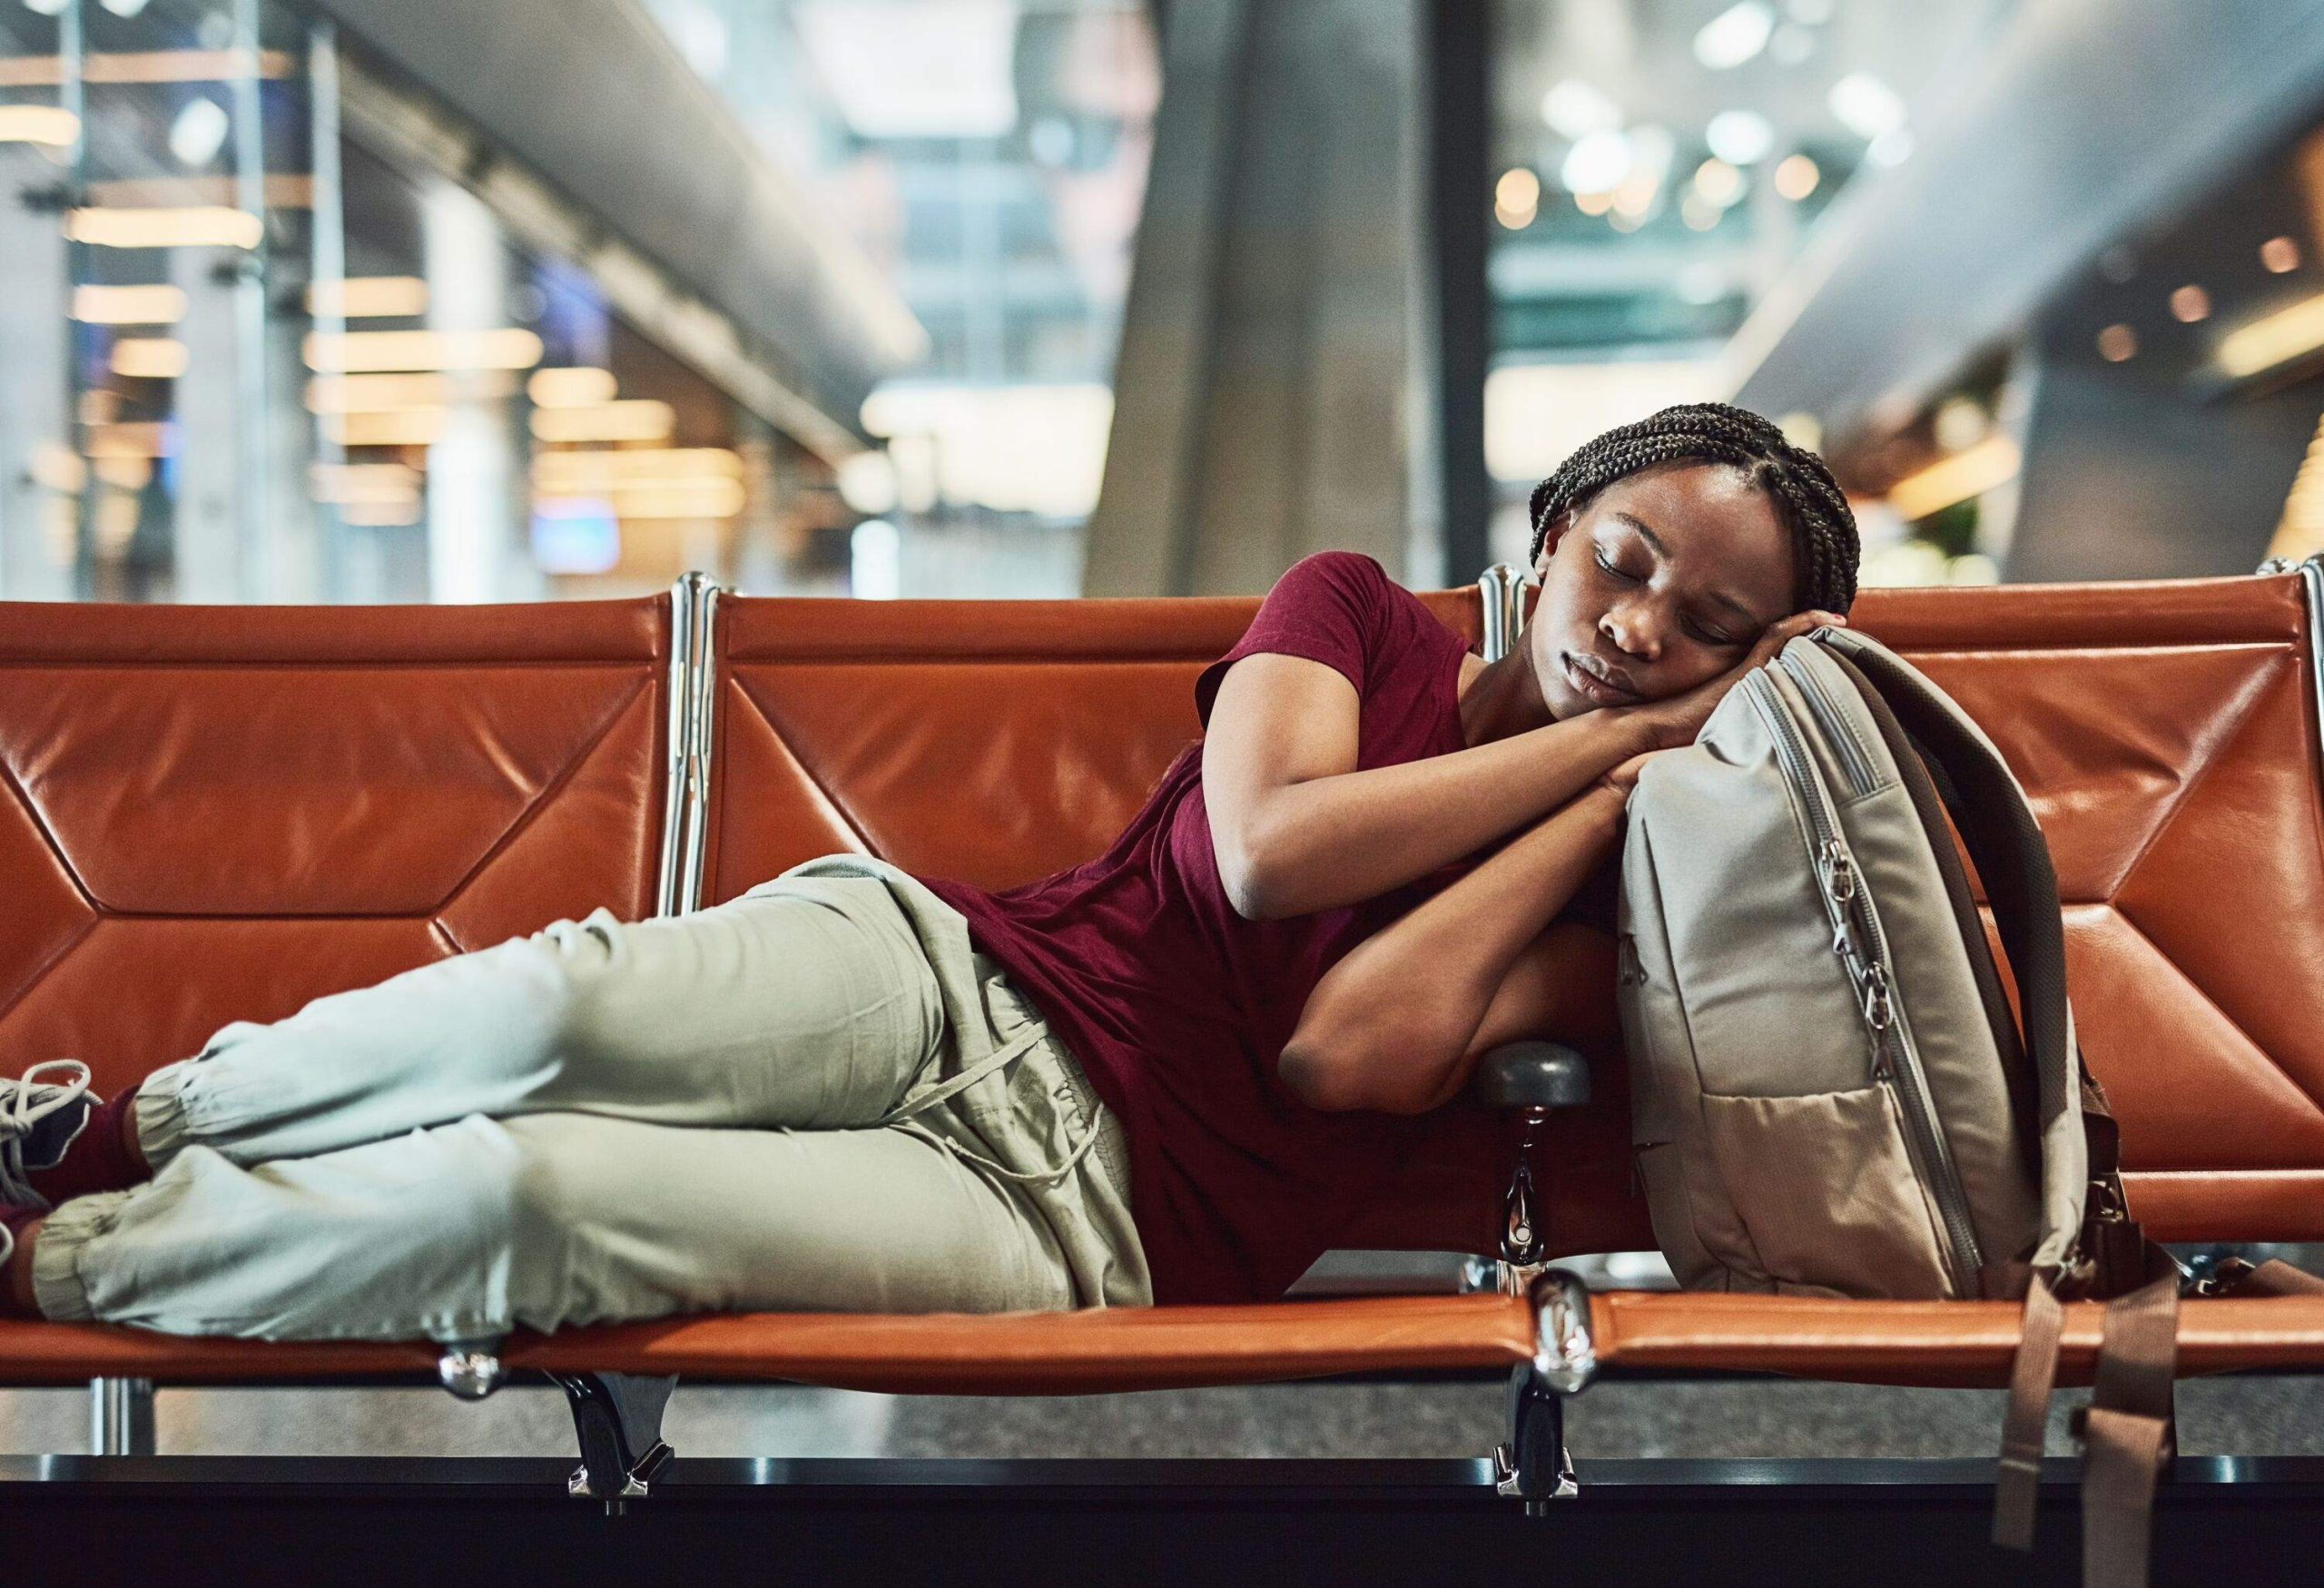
[(1996, 824)]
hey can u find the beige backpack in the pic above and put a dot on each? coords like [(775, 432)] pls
[(1830, 1093)]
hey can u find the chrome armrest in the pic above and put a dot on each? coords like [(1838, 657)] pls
[(1535, 1076), (1532, 1075)]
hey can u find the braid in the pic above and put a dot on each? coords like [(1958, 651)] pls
[(1807, 497)]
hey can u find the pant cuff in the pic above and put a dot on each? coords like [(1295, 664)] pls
[(57, 1288), (159, 1114)]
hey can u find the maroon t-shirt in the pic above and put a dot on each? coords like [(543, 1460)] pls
[(1178, 1008)]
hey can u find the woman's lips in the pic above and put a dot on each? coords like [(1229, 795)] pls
[(1592, 687)]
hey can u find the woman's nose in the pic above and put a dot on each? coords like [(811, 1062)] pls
[(1634, 630)]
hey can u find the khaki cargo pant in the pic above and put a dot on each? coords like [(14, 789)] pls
[(815, 1097)]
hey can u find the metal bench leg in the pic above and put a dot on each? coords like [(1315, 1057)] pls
[(1533, 1464), (618, 1416), (121, 1416)]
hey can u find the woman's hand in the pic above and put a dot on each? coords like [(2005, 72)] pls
[(1623, 778), (1676, 721)]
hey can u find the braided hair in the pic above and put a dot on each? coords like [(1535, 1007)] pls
[(1806, 496)]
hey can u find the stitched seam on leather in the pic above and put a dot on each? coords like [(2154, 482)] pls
[(56, 846), (2242, 713), (2313, 1102), (46, 968), (847, 812), (543, 800)]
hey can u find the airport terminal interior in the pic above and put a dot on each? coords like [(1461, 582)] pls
[(469, 302)]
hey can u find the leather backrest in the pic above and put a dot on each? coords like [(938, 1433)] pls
[(2165, 730), (217, 814), (994, 742)]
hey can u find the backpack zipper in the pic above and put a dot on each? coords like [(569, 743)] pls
[(1863, 950), (1838, 730)]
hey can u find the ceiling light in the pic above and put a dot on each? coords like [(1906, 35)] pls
[(124, 473), (1517, 197), (123, 7), (510, 348), (1573, 109), (2189, 303), (149, 358), (1993, 461), (377, 393), (369, 298), (1735, 35), (199, 131), (157, 305), (372, 484), (2117, 342), (1719, 183), (584, 474), (1892, 147), (1699, 213), (1596, 164), (46, 8), (38, 123), (2283, 336), (1960, 424), (1740, 137), (2280, 254), (141, 439), (414, 427), (1866, 105), (636, 419), (1796, 177), (575, 386), (2299, 533), (203, 226), (1596, 203), (699, 498)]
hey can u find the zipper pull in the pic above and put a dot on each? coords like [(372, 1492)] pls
[(1874, 990), (1839, 872)]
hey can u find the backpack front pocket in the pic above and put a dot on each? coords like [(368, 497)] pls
[(1824, 1188)]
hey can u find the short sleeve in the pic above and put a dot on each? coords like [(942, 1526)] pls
[(1333, 608)]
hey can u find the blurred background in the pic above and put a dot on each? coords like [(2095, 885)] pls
[(359, 300)]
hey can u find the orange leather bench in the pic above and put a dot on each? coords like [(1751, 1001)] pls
[(217, 814)]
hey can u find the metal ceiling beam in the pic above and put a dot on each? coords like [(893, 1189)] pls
[(2080, 121), (590, 98)]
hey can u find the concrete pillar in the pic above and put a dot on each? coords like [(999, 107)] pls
[(33, 435), (2129, 473), (476, 485), (1265, 398)]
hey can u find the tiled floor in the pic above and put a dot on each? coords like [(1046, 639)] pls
[(2250, 1416)]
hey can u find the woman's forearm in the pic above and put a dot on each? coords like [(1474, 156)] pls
[(1334, 841), (1391, 1025)]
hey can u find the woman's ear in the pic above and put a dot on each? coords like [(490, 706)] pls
[(1551, 532)]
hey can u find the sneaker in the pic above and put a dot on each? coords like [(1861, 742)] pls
[(38, 1120)]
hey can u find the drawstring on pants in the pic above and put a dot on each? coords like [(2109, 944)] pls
[(1014, 1048)]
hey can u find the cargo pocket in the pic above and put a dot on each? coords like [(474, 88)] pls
[(1825, 1190)]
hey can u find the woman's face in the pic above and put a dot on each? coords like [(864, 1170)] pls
[(1662, 581)]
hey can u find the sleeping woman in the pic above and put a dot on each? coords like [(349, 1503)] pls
[(1167, 1075)]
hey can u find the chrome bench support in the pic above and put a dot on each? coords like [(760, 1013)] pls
[(121, 1416), (1533, 1464), (619, 1419)]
